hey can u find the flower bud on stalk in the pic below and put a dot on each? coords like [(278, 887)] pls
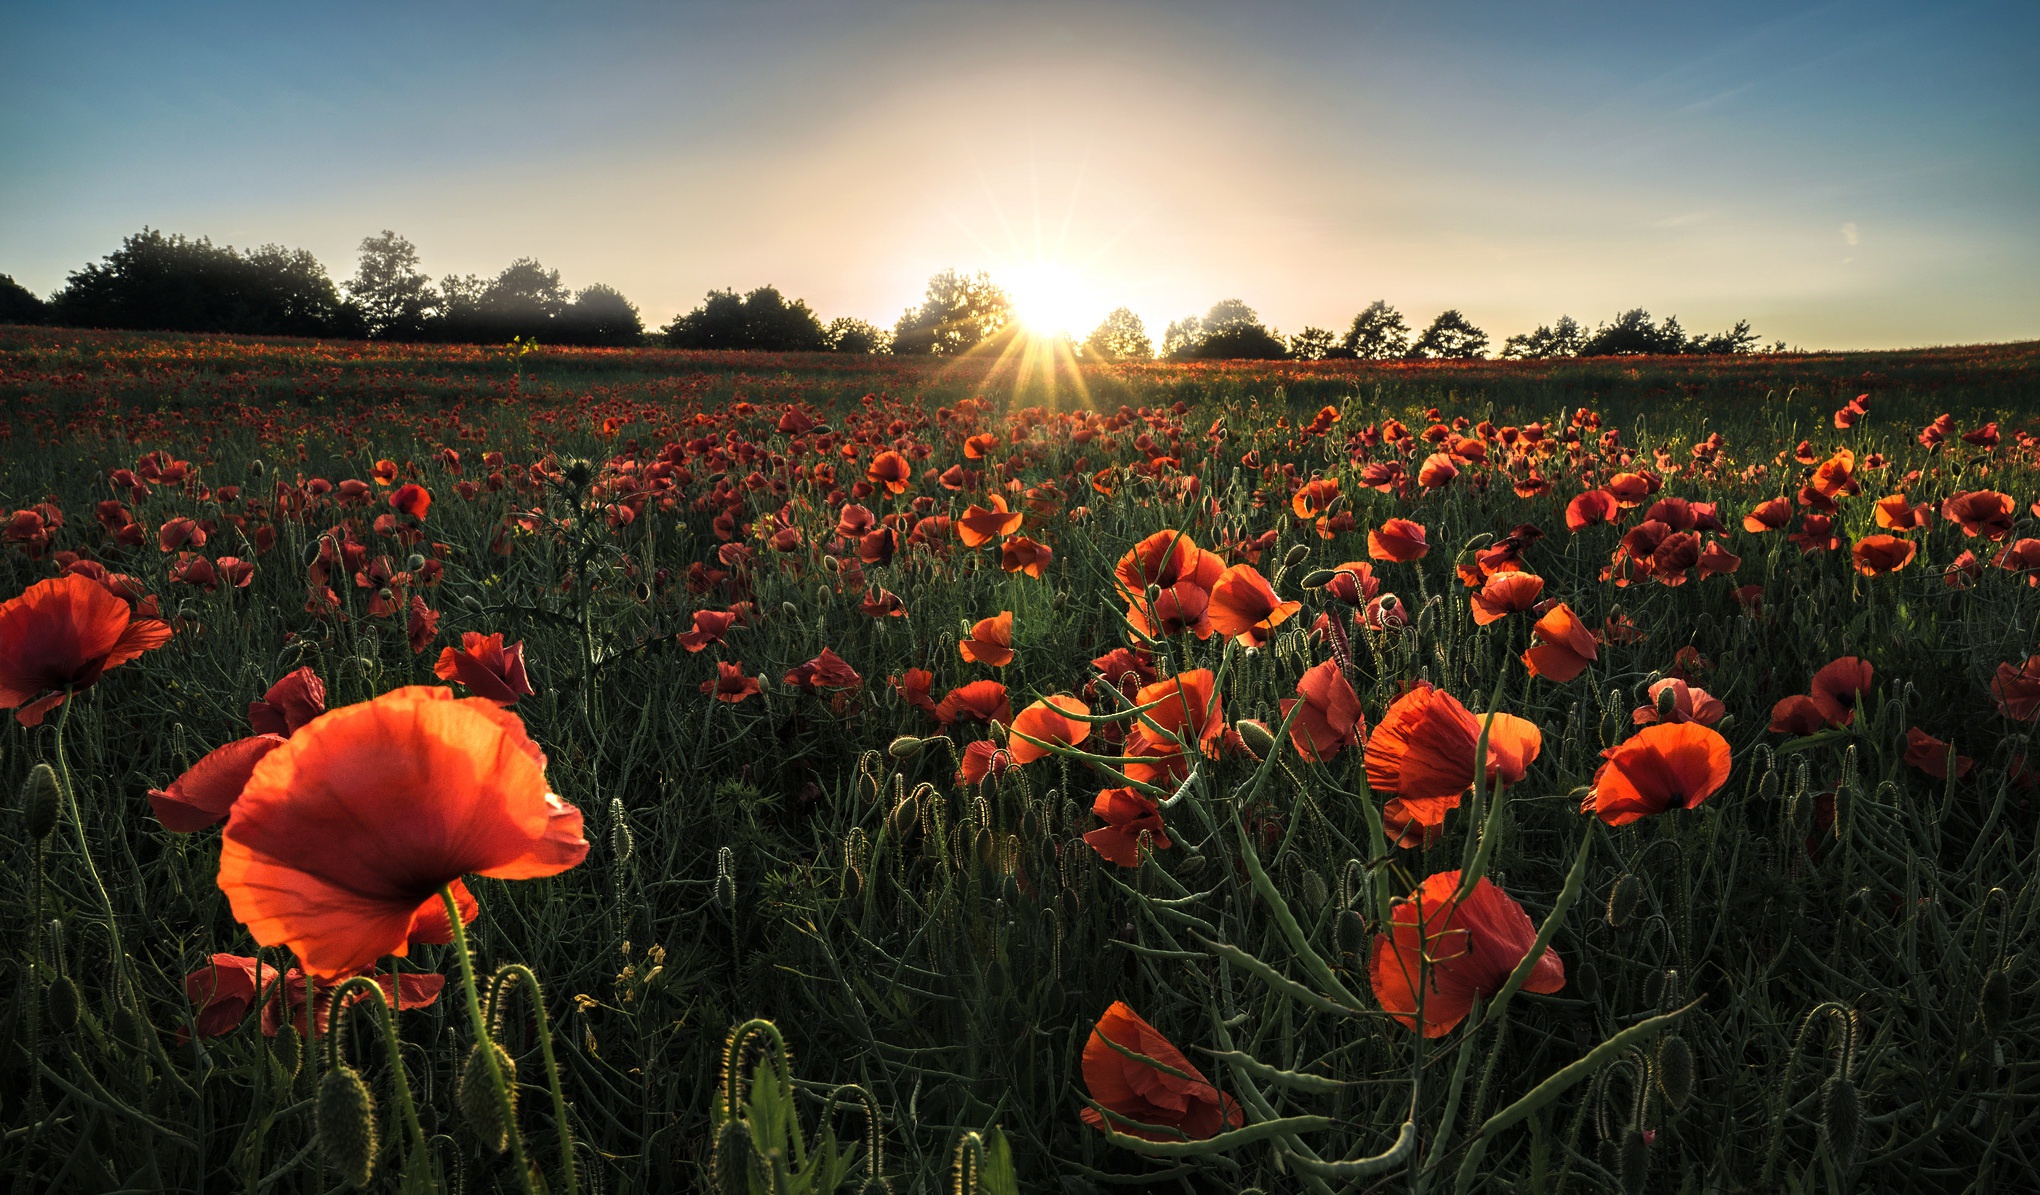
[(61, 1001), (476, 1095), (39, 802), (344, 1116)]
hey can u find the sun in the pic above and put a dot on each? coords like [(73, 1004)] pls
[(1049, 298)]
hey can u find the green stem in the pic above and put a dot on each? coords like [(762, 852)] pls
[(552, 1076), (485, 1042), (85, 849), (337, 1008)]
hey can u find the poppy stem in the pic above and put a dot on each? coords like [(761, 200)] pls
[(485, 1043), (338, 1003), (517, 971), (70, 793)]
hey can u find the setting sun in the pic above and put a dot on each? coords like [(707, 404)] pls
[(1050, 299)]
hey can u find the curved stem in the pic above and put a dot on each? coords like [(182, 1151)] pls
[(485, 1042), (84, 847), (338, 1008), (552, 1075)]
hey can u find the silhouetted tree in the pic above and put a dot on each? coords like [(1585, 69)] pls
[(1313, 344), (1563, 339), (600, 315), (18, 304), (762, 321), (959, 311), (1378, 333), (523, 300), (1451, 337), (1121, 336), (846, 334), (1738, 339), (395, 296), (174, 283), (1231, 330)]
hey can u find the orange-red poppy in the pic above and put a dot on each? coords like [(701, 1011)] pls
[(981, 759), (205, 794), (1836, 686), (912, 688), (977, 446), (1934, 756), (978, 526), (1769, 516), (1442, 954), (991, 641), (1166, 559), (1668, 765), (1688, 704), (1423, 751), (59, 635), (1437, 470), (1144, 1100), (411, 499), (1044, 721), (1589, 508), (891, 471), (827, 672), (290, 703), (1023, 555), (1896, 513), (1837, 475), (730, 684), (1245, 606), (1331, 718), (1981, 512), (2021, 557), (489, 669), (1504, 594), (344, 836), (1191, 712), (1397, 540), (709, 628), (1875, 555), (977, 701), (1353, 583), (1312, 499), (880, 602), (1566, 645), (409, 989)]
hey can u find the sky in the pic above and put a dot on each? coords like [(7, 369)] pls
[(1842, 175)]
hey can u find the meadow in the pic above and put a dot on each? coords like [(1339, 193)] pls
[(816, 773)]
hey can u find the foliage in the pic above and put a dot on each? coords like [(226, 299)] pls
[(1230, 331), (958, 312), (395, 296), (1313, 344), (1120, 336), (18, 304), (847, 334), (1632, 333), (761, 320), (154, 281), (1378, 333), (1450, 337), (1562, 339)]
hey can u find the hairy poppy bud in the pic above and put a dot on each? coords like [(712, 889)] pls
[(790, 610), (1633, 1166), (256, 467), (578, 472), (1353, 935), (290, 1052), (1190, 866), (906, 817), (344, 1116), (1314, 894), (1841, 1119), (1587, 980), (476, 1095), (131, 1027), (905, 747), (61, 1002), (1154, 594), (985, 846), (1994, 1007), (39, 802), (729, 1166), (415, 563), (1294, 556), (621, 844), (1675, 1070), (1256, 735), (1667, 703), (1319, 578), (1767, 788), (1623, 898)]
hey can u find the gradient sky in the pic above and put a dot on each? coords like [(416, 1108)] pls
[(1843, 175)]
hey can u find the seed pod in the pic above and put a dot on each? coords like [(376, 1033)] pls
[(1634, 1162), (1841, 1119), (415, 563), (621, 843), (1994, 1007), (1294, 556), (476, 1095), (1190, 866), (344, 1116), (1623, 899), (1314, 894), (62, 1003), (39, 802), (1675, 1070)]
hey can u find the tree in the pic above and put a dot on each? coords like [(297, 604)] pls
[(1563, 339), (1121, 337), (18, 304), (178, 284), (1738, 339), (600, 315), (523, 300), (1182, 337), (1378, 333), (1451, 337), (762, 321), (1313, 344), (1231, 330), (959, 311), (846, 334), (395, 296)]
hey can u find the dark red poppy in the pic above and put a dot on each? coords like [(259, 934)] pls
[(1934, 756), (1442, 954), (913, 688), (488, 668), (1668, 765), (826, 672), (1981, 512), (1688, 705), (1504, 594), (981, 759), (290, 703), (1353, 583), (205, 794), (2017, 690), (225, 989), (1331, 718), (1837, 685), (1147, 1101), (405, 990), (1589, 508), (1128, 813), (1769, 516), (59, 635), (978, 701), (709, 628), (730, 684)]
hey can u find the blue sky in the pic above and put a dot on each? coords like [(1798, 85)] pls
[(1843, 175)]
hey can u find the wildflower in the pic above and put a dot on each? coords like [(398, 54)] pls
[(1689, 704), (290, 703), (730, 684), (981, 759), (1837, 685), (1191, 713), (990, 642), (59, 635), (1044, 721), (1768, 516), (488, 668), (977, 701), (1589, 508), (912, 688), (1504, 594), (1984, 513), (2017, 690), (1144, 1100), (1022, 555), (1353, 583), (1423, 751), (1669, 765), (1245, 606), (979, 526), (1442, 953), (1397, 540), (827, 671), (890, 470), (1567, 645), (1315, 497), (709, 628), (1876, 555), (205, 794), (1331, 718), (411, 499), (1934, 756)]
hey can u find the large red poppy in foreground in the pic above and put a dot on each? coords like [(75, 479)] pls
[(61, 634), (1469, 947), (1180, 1105), (1667, 765), (343, 837)]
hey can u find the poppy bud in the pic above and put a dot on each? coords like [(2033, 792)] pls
[(1294, 556), (1319, 578), (1154, 594), (905, 747), (60, 1000), (344, 1115), (621, 844), (39, 802), (130, 1027), (1841, 1119), (476, 1095), (1622, 900), (415, 563), (1994, 1007), (1352, 933), (1633, 1162), (1586, 980), (577, 472), (1256, 736), (1767, 788), (1190, 866), (985, 846), (790, 610), (1667, 704), (906, 817), (179, 747), (256, 467), (1314, 894), (729, 1164), (1675, 1070), (290, 1052)]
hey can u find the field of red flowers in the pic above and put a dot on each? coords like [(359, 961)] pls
[(633, 770)]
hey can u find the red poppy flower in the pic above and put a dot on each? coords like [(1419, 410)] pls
[(1437, 471), (1630, 489), (1591, 507), (1896, 513), (1688, 704), (1116, 664), (489, 669), (979, 526), (1567, 645), (1669, 765), (1933, 756), (854, 521), (1717, 561), (409, 989), (411, 499), (290, 703), (990, 642), (1244, 605), (1331, 718), (1836, 686), (1797, 715), (1166, 559), (827, 671), (912, 688), (1176, 1106), (1981, 512), (1397, 540), (1469, 947), (890, 470), (1314, 497), (2021, 557), (1023, 555), (977, 446), (205, 794), (1128, 813), (341, 841), (1423, 751), (1837, 475), (878, 546), (978, 701), (1353, 583), (1191, 712), (2017, 690), (384, 472), (730, 684), (1876, 555), (709, 628), (1044, 721), (1769, 516), (421, 625), (1504, 594), (224, 990), (60, 635), (981, 759)]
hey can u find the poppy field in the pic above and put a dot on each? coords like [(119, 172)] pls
[(539, 769)]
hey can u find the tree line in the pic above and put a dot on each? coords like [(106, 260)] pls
[(169, 282)]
